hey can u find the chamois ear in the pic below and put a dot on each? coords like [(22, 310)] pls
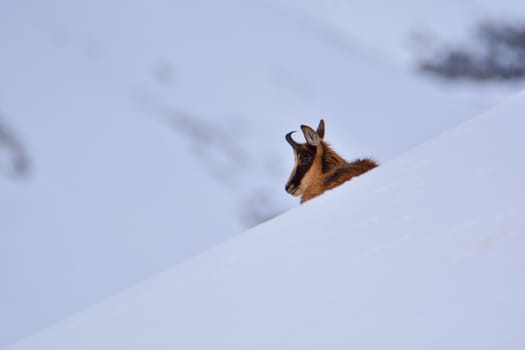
[(310, 135), (320, 129)]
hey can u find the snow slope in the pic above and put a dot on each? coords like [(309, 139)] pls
[(424, 252), (146, 123)]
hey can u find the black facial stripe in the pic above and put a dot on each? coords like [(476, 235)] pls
[(299, 173), (302, 169)]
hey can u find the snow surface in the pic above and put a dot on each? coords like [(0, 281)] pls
[(424, 252), (154, 130)]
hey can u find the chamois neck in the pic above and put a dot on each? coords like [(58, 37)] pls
[(330, 160)]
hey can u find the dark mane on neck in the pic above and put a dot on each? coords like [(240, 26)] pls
[(329, 159)]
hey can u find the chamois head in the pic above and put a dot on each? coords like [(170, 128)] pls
[(307, 159)]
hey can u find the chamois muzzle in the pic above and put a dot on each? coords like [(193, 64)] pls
[(290, 140), (290, 188)]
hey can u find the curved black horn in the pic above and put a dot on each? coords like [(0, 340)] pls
[(290, 140)]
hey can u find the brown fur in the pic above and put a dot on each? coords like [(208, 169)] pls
[(337, 171), (328, 170)]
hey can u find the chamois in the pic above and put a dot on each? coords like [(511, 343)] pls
[(318, 167)]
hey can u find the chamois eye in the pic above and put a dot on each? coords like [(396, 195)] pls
[(306, 158)]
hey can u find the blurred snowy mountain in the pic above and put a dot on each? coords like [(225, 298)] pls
[(147, 132)]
